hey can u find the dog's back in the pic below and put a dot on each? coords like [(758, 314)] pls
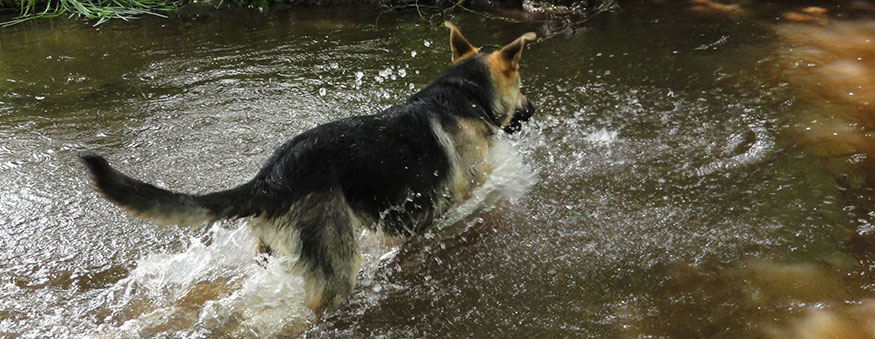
[(377, 162)]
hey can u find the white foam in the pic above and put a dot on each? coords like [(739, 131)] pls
[(209, 287), (602, 136), (510, 179)]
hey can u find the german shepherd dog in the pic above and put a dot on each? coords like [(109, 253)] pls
[(396, 171)]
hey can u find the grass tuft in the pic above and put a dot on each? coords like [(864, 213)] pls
[(100, 10)]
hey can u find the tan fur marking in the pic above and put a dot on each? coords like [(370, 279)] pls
[(467, 146), (261, 247), (506, 81), (503, 65), (513, 51), (314, 300), (460, 46), (472, 145), (192, 219), (165, 220)]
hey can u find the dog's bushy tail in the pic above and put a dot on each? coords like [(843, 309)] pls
[(166, 207)]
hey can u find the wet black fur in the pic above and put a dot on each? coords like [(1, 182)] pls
[(377, 161), (389, 167)]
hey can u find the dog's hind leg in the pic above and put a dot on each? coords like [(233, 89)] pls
[(329, 256)]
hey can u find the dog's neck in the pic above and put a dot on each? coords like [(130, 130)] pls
[(466, 83)]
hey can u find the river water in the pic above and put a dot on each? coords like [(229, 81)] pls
[(689, 172)]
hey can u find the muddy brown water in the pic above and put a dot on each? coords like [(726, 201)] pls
[(663, 189)]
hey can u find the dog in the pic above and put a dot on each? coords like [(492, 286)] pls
[(396, 171)]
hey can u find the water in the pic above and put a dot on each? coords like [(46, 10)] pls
[(662, 189)]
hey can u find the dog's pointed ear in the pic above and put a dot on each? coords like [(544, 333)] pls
[(461, 47), (513, 51)]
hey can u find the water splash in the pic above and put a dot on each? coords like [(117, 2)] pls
[(213, 287), (510, 179), (602, 136)]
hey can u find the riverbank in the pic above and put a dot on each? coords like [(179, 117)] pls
[(101, 11)]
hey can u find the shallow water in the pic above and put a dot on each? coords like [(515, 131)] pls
[(662, 189)]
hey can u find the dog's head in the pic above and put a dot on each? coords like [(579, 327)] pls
[(509, 107)]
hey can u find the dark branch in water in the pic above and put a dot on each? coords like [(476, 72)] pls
[(578, 8), (606, 6), (554, 11), (482, 14)]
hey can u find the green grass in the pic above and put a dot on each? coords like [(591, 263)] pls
[(100, 10)]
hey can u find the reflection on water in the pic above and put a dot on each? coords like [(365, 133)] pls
[(716, 7), (662, 189), (849, 321), (834, 65)]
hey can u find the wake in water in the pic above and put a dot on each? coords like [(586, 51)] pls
[(221, 287)]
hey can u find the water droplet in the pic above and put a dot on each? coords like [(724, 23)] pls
[(358, 78), (412, 53), (426, 43)]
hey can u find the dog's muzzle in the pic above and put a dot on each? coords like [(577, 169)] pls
[(521, 115)]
